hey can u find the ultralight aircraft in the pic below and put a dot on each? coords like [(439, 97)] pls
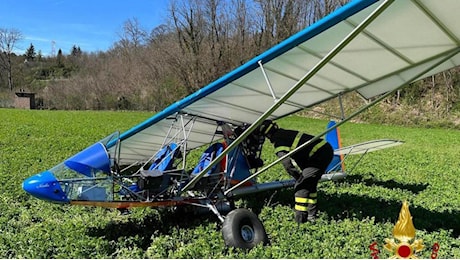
[(372, 47)]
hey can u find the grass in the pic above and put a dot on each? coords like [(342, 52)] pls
[(354, 213)]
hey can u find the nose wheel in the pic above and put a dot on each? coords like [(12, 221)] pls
[(243, 229)]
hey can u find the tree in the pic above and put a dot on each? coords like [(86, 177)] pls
[(30, 53), (203, 31), (39, 55), (133, 35), (76, 51), (60, 59), (8, 40)]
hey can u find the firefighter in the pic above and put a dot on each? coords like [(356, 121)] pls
[(313, 160)]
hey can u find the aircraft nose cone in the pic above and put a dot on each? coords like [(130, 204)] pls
[(46, 187)]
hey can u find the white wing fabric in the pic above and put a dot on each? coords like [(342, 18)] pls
[(410, 40)]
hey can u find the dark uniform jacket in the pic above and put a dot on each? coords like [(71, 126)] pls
[(287, 140)]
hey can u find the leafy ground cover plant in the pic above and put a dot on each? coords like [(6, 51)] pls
[(354, 213)]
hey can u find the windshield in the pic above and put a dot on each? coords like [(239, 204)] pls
[(80, 187)]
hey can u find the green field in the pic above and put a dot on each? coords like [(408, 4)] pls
[(354, 213)]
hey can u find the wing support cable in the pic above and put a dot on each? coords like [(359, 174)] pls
[(288, 94), (377, 100), (357, 162), (186, 135), (309, 142), (170, 136), (181, 142), (275, 99)]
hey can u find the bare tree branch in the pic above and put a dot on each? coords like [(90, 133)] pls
[(8, 41)]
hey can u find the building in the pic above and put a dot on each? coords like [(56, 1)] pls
[(24, 100)]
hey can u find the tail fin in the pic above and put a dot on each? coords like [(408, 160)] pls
[(333, 138)]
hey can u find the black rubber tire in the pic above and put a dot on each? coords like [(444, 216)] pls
[(243, 229)]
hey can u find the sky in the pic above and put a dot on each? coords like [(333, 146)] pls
[(93, 25)]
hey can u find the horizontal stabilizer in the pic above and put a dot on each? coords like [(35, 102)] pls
[(368, 146)]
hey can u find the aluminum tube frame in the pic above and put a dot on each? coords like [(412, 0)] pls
[(453, 53), (317, 137), (292, 90), (267, 80), (276, 185)]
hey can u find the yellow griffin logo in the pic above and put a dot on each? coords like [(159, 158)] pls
[(404, 232)]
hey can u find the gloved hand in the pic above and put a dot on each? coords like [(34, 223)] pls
[(289, 166)]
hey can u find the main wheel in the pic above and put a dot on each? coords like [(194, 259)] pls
[(243, 229)]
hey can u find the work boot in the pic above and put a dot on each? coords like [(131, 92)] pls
[(312, 212), (302, 217)]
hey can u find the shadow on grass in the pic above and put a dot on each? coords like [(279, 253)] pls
[(343, 206), (125, 226), (346, 205), (414, 188), (336, 206)]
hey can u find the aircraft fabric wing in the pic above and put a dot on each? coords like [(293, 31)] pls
[(408, 41), (367, 147)]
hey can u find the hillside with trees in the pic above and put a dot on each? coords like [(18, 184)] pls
[(150, 68)]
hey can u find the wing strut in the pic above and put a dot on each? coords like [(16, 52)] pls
[(341, 122), (309, 141), (291, 91), (268, 81)]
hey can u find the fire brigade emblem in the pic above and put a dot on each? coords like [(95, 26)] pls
[(404, 244)]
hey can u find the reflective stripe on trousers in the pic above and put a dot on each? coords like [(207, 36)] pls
[(301, 204)]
